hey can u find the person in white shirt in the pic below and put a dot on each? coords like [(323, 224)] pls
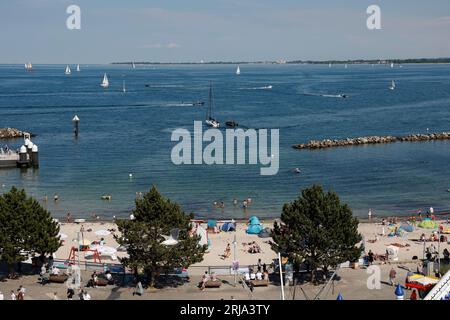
[(2, 297), (86, 296), (252, 276), (22, 289), (259, 275), (13, 295), (247, 276)]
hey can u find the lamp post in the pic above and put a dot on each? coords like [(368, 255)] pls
[(234, 260), (281, 276)]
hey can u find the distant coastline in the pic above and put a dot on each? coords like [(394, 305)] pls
[(356, 61)]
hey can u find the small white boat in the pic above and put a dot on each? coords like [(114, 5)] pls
[(133, 65), (28, 66), (105, 82), (392, 87), (392, 64), (329, 65), (238, 71), (78, 68), (210, 121), (124, 89), (68, 71)]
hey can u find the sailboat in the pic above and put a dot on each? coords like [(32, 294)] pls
[(210, 121), (105, 82), (346, 66), (123, 87), (238, 71), (133, 65), (329, 65), (392, 87), (68, 70), (78, 68), (28, 66), (392, 64)]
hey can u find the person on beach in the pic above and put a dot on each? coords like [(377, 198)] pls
[(20, 295), (446, 255), (259, 264), (55, 296), (227, 252), (13, 295), (370, 257), (70, 293), (259, 275), (22, 290), (205, 279), (392, 275), (139, 290), (369, 214), (2, 297), (55, 197), (69, 217)]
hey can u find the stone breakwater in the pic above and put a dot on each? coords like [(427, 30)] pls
[(327, 143), (11, 133)]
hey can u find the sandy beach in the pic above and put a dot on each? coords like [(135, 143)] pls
[(372, 232)]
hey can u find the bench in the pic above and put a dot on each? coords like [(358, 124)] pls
[(58, 278), (213, 284), (259, 283)]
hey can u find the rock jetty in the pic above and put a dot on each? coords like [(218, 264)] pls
[(327, 143), (11, 133)]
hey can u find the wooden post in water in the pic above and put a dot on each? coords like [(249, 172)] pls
[(75, 121)]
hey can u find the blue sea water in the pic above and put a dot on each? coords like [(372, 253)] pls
[(131, 133)]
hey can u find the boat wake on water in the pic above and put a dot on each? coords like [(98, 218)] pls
[(326, 95), (258, 88)]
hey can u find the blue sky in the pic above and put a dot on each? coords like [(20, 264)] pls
[(232, 30)]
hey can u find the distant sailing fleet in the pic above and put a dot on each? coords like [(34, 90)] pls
[(210, 121)]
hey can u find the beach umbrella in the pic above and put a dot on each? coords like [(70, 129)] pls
[(102, 232), (339, 297)]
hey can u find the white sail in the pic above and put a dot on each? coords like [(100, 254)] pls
[(124, 89), (329, 65), (133, 65), (68, 70), (78, 68), (392, 87), (392, 64), (238, 71), (105, 82), (28, 66)]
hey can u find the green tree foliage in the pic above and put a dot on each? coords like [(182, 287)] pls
[(318, 230), (156, 216), (26, 228)]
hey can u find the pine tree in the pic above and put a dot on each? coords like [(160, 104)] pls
[(26, 228), (316, 229), (156, 216)]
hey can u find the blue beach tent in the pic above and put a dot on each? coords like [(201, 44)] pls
[(228, 226), (212, 223), (255, 226)]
